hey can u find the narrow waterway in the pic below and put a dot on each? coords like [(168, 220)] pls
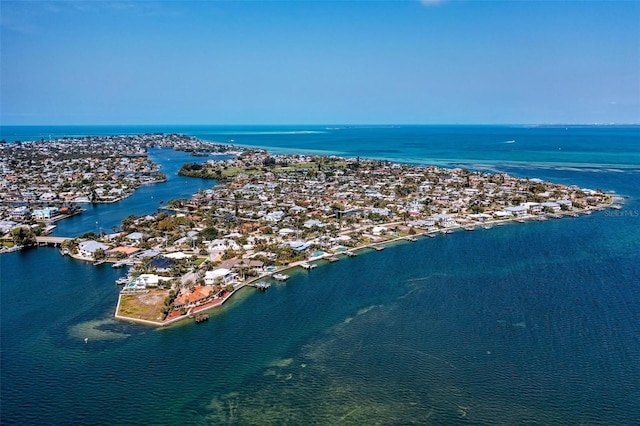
[(146, 200)]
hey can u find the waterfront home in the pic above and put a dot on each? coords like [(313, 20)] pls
[(188, 299), (551, 206), (422, 223), (88, 248), (45, 214), (517, 211), (239, 264), (145, 280), (225, 276), (446, 220), (534, 208)]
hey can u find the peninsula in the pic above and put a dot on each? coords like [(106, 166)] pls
[(269, 213)]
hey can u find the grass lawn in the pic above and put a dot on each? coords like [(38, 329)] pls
[(144, 306)]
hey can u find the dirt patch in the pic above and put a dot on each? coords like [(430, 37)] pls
[(151, 299), (146, 306)]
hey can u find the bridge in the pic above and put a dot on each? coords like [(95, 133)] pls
[(54, 241)]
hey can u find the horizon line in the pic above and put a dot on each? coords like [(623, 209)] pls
[(323, 124)]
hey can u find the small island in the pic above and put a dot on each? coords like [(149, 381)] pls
[(269, 213)]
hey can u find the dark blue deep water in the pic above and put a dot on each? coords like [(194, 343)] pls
[(535, 323)]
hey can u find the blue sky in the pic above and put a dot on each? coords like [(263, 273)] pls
[(306, 62)]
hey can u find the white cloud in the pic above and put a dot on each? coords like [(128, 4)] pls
[(431, 2)]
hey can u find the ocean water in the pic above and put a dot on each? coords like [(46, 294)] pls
[(535, 323)]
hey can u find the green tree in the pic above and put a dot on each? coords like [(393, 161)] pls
[(99, 254), (23, 237)]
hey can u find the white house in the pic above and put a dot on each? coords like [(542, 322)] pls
[(87, 248), (517, 211), (313, 222), (146, 280), (45, 214), (20, 213), (446, 220), (210, 277), (274, 216), (378, 230), (551, 205), (6, 226)]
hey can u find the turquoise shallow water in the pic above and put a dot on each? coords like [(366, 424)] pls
[(525, 323)]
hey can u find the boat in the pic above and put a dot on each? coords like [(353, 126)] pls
[(487, 226), (350, 254), (281, 277), (378, 248), (469, 228), (123, 280), (431, 235), (262, 285), (308, 266), (412, 239)]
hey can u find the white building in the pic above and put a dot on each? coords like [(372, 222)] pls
[(87, 248), (210, 277), (45, 214), (146, 280)]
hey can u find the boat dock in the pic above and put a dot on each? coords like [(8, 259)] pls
[(280, 277), (201, 317), (262, 285), (308, 266)]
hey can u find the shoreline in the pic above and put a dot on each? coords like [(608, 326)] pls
[(372, 245)]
